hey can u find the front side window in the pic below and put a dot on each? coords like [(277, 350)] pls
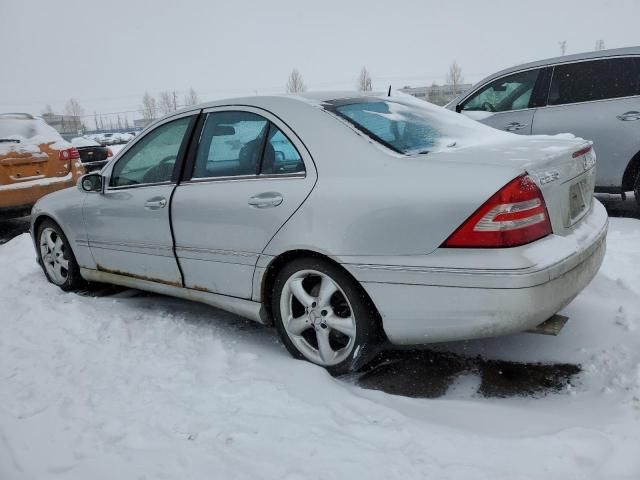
[(595, 80), (152, 159), (230, 144), (513, 92)]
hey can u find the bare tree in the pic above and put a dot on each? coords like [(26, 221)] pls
[(95, 119), (191, 98), (364, 80), (166, 102), (563, 46), (149, 109), (600, 44), (454, 77), (73, 109), (295, 84), (48, 111)]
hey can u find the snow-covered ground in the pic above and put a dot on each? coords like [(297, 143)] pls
[(135, 386)]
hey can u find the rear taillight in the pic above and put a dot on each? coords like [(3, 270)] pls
[(515, 215), (69, 154), (109, 153), (582, 151)]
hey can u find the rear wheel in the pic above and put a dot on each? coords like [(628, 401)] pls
[(57, 259), (323, 316)]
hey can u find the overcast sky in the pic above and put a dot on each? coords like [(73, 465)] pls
[(108, 53)]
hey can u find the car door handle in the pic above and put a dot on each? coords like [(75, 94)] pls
[(154, 204), (266, 200), (629, 116), (512, 127)]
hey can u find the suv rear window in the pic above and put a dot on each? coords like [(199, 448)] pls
[(30, 131), (595, 80)]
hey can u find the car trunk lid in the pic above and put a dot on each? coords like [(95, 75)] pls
[(563, 168)]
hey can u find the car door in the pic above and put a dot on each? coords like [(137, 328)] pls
[(248, 175), (508, 103), (597, 100), (127, 225)]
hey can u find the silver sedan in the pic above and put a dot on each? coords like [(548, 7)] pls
[(346, 221)]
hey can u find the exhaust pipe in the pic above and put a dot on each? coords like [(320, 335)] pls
[(551, 326)]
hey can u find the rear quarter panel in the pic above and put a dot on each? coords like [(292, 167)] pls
[(370, 201)]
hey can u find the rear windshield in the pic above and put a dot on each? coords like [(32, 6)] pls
[(27, 130), (410, 126)]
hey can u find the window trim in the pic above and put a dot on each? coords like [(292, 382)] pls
[(599, 59), (189, 167), (186, 141)]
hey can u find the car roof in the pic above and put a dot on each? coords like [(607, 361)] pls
[(613, 52), (264, 101)]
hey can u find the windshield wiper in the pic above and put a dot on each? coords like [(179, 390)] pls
[(9, 140)]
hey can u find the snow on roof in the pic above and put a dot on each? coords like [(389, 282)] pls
[(23, 133)]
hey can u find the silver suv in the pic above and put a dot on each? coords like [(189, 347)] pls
[(593, 95)]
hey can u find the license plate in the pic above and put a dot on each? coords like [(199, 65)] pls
[(579, 199)]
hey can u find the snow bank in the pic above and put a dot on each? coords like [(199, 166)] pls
[(137, 386)]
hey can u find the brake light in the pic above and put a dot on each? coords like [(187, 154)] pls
[(515, 215), (109, 153), (68, 154), (582, 151)]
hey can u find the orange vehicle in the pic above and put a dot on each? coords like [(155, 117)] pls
[(34, 160)]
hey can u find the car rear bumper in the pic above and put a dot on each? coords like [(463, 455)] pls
[(421, 304), (23, 196)]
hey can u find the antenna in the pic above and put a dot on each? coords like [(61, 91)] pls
[(389, 92)]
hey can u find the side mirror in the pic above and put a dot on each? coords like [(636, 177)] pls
[(91, 182), (459, 108)]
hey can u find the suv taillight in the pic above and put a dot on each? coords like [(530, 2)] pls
[(515, 215), (109, 153), (69, 154)]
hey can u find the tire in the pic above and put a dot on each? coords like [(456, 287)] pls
[(333, 323), (636, 189), (57, 259)]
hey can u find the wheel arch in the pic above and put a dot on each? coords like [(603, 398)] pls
[(276, 265)]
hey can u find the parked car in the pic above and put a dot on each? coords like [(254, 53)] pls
[(381, 219), (34, 161), (108, 139), (594, 95), (93, 155), (125, 137)]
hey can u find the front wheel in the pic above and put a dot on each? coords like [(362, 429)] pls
[(323, 316), (57, 259)]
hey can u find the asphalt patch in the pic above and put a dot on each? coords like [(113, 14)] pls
[(12, 228), (430, 374)]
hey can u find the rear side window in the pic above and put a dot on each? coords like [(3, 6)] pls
[(513, 92), (230, 144), (280, 156), (595, 80), (243, 143)]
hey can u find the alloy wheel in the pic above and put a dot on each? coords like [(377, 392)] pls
[(317, 317), (52, 252)]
